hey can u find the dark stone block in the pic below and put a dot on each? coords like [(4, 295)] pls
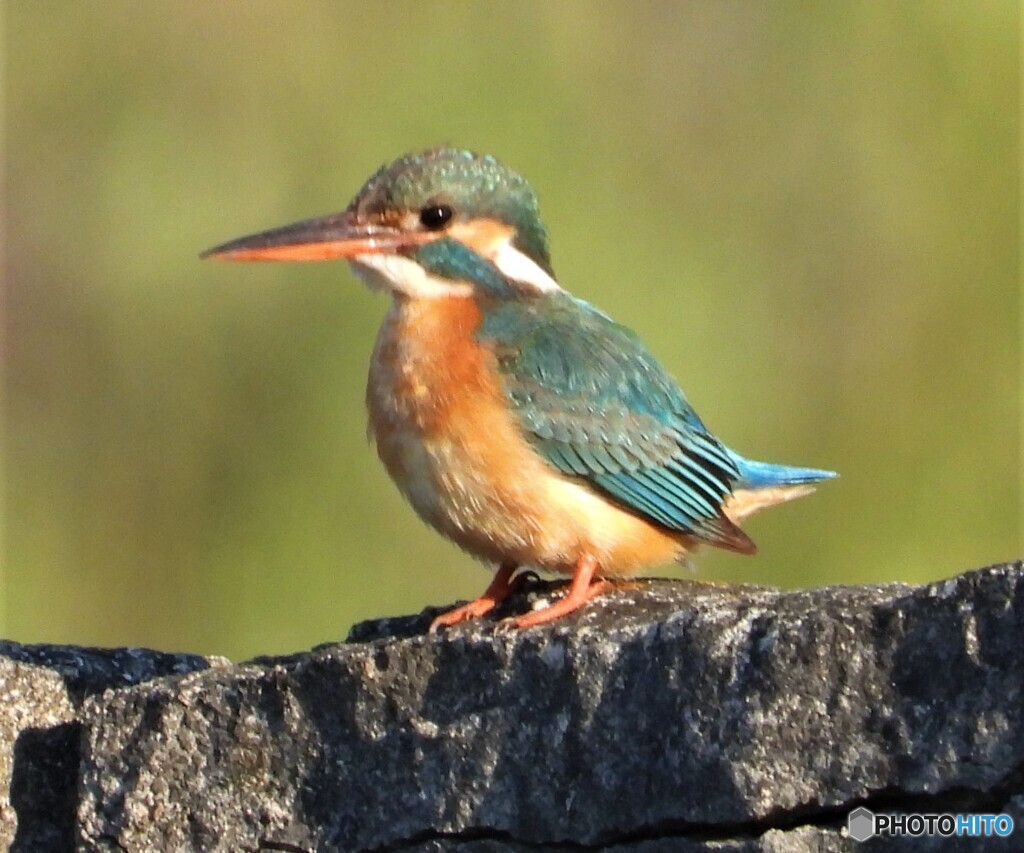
[(666, 716), (42, 689)]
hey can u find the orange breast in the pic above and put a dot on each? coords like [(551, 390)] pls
[(447, 437), (427, 368)]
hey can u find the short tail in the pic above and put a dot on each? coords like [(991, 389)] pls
[(764, 475), (762, 484)]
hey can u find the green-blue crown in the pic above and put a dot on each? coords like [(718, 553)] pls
[(475, 186)]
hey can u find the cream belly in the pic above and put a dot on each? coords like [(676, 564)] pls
[(446, 436)]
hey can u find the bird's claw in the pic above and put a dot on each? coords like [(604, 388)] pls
[(464, 613)]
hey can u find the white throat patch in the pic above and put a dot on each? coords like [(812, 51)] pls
[(396, 273)]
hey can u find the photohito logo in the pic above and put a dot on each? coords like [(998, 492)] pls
[(863, 824)]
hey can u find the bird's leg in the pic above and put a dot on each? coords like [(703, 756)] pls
[(500, 588), (581, 590)]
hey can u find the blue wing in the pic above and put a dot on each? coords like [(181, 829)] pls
[(596, 405)]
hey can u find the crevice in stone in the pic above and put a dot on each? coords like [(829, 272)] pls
[(833, 818), (43, 778)]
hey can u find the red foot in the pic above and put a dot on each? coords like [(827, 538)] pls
[(497, 591), (582, 589)]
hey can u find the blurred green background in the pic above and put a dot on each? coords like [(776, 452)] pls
[(810, 211)]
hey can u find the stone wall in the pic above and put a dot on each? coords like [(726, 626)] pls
[(668, 715)]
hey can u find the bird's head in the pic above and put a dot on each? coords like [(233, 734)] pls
[(441, 223)]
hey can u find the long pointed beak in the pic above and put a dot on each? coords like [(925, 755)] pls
[(321, 239)]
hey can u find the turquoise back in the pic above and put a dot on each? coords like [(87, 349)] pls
[(596, 404)]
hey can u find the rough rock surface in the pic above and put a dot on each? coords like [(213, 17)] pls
[(666, 716), (42, 689)]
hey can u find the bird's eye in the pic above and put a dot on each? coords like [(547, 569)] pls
[(436, 216)]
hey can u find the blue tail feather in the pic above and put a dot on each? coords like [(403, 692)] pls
[(763, 475)]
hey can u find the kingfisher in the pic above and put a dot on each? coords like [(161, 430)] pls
[(519, 421)]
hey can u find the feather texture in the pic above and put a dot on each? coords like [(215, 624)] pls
[(598, 406)]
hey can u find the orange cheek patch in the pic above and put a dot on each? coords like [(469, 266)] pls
[(483, 236)]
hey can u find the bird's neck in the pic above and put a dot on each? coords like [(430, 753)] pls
[(426, 360), (420, 321)]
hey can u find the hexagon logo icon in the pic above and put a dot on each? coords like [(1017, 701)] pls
[(861, 824)]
